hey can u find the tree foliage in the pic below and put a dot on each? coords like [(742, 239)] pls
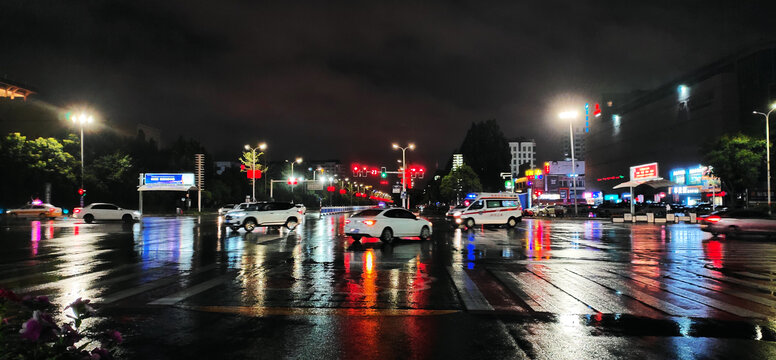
[(486, 150), (459, 182), (737, 160)]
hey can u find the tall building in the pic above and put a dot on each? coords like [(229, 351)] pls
[(670, 124), (457, 161), (523, 152), (579, 142)]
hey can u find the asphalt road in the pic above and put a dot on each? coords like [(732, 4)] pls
[(183, 288)]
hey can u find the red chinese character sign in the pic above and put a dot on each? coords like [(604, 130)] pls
[(644, 172)]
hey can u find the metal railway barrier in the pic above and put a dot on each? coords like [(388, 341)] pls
[(331, 210), (691, 218)]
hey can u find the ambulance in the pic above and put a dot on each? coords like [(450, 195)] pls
[(489, 209)]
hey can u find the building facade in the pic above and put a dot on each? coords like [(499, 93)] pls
[(671, 124), (523, 152)]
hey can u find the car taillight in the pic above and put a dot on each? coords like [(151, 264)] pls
[(712, 219), (77, 210), (369, 222)]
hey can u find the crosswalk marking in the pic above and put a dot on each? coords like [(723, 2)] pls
[(739, 294), (470, 294), (638, 295), (705, 300), (543, 296), (84, 277), (191, 291), (149, 286), (728, 279), (586, 291)]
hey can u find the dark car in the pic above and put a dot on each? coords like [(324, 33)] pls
[(608, 209)]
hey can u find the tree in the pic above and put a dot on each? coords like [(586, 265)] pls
[(737, 160), (486, 150), (459, 182)]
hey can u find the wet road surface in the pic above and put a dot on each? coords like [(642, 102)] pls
[(184, 287)]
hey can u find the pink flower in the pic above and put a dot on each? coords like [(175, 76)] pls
[(100, 354), (31, 330), (70, 335), (81, 308), (115, 336), (8, 294)]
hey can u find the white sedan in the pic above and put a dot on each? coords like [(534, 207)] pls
[(387, 224), (105, 211)]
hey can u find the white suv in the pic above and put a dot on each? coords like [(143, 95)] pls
[(264, 214)]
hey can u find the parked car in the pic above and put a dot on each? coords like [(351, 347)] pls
[(105, 211), (251, 215), (737, 222), (387, 224), (36, 209), (607, 209)]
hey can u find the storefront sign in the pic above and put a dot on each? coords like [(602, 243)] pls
[(679, 176), (644, 172)]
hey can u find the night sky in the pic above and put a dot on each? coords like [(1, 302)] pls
[(343, 80)]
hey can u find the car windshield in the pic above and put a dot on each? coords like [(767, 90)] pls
[(368, 213)]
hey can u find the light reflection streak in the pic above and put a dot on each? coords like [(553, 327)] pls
[(35, 237)]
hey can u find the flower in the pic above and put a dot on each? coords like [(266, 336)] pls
[(115, 336), (70, 335), (81, 308), (100, 354), (8, 294), (31, 330)]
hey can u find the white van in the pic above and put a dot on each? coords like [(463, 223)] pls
[(490, 209)]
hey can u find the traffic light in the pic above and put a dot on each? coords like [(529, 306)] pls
[(383, 172), (330, 188), (292, 181), (81, 192), (343, 191)]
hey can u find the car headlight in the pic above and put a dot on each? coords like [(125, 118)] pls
[(137, 213), (457, 213)]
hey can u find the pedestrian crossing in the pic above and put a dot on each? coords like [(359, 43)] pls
[(655, 292)]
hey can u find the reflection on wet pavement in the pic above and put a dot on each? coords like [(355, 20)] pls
[(572, 277)]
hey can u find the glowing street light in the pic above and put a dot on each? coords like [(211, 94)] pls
[(82, 119), (403, 172), (297, 161), (260, 147), (570, 116), (767, 149)]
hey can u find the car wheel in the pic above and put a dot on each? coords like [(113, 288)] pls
[(127, 218), (734, 231), (387, 236), (356, 237), (291, 223), (425, 233), (714, 234), (249, 225), (469, 223), (512, 222), (234, 228), (88, 218)]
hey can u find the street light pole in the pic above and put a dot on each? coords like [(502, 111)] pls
[(81, 119), (571, 115), (261, 146), (404, 172), (298, 161), (767, 150)]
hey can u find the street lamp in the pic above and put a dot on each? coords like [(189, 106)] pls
[(82, 119), (767, 149), (298, 161), (403, 171), (570, 116), (260, 147)]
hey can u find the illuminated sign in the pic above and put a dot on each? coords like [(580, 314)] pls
[(184, 179), (549, 197), (611, 178), (680, 190), (679, 176), (644, 172), (694, 175), (612, 197)]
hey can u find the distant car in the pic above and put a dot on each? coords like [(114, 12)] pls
[(737, 222), (607, 209), (301, 209), (532, 211), (36, 209), (251, 215), (224, 209), (105, 211), (387, 224)]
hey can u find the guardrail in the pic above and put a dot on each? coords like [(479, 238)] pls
[(650, 218), (331, 210)]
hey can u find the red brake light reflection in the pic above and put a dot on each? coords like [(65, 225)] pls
[(369, 222), (712, 219)]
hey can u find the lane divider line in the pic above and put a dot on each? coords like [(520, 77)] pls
[(470, 295)]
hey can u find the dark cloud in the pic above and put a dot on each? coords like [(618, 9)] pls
[(344, 79)]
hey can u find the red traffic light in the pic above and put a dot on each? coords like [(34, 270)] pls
[(330, 188), (81, 191), (343, 191), (292, 181), (242, 167)]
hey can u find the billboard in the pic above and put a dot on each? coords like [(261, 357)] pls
[(166, 180), (644, 172)]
